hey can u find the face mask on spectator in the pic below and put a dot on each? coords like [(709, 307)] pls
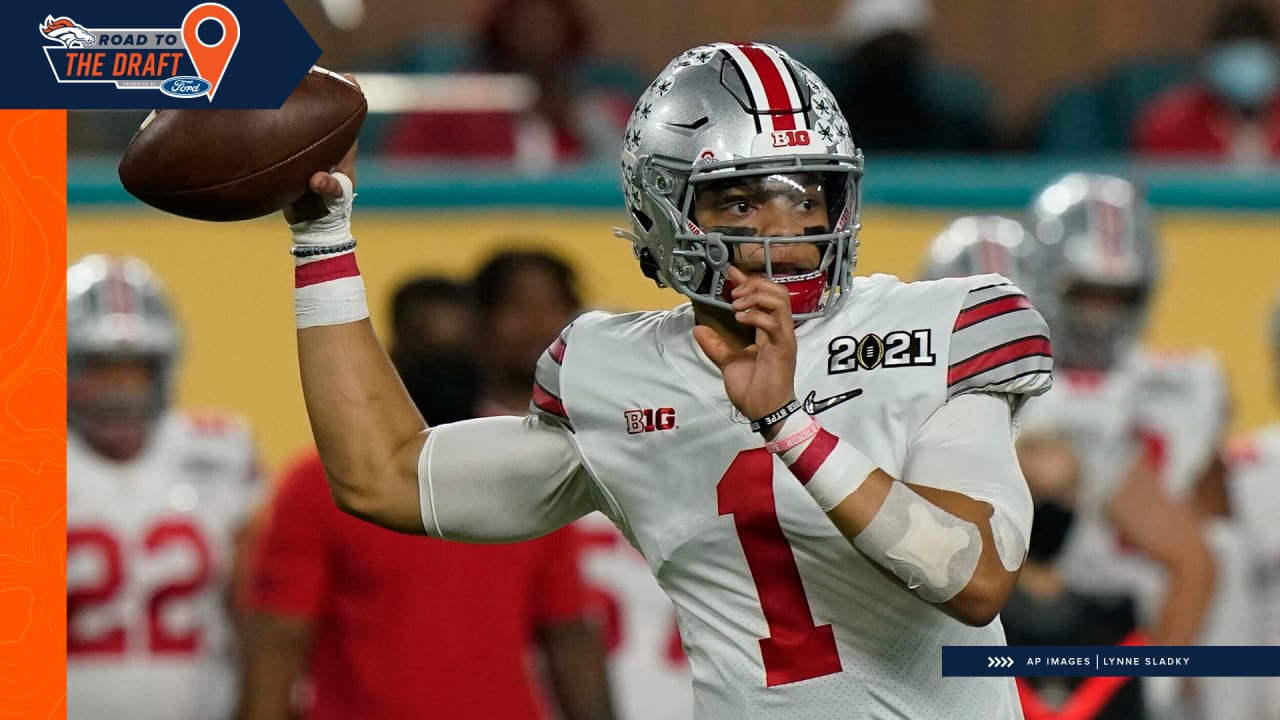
[(1246, 73)]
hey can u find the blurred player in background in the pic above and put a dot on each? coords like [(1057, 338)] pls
[(1255, 499), (808, 581), (979, 245), (381, 625), (1046, 610), (525, 298), (1149, 428), (158, 504)]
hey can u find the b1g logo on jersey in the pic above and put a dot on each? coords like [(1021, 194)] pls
[(900, 348), (650, 420)]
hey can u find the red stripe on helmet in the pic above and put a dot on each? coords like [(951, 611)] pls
[(775, 86)]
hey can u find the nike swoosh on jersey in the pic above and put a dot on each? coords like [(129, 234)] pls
[(813, 406)]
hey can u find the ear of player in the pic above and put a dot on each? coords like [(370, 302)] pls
[(223, 165)]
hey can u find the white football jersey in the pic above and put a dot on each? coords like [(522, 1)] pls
[(648, 671), (1254, 486), (1255, 500), (1171, 409), (149, 560), (780, 616)]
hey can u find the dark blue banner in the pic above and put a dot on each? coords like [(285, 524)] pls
[(147, 54), (1113, 661)]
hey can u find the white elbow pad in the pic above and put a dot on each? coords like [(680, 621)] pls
[(934, 552), (1011, 542)]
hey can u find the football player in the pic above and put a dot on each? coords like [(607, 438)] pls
[(1046, 609), (1255, 499), (157, 504), (1149, 427), (818, 469)]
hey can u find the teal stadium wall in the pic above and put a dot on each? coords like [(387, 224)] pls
[(232, 283)]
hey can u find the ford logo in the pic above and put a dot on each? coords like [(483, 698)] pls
[(185, 86)]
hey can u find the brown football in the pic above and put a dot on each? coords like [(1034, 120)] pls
[(241, 164)]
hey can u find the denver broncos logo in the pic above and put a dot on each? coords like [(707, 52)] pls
[(67, 31)]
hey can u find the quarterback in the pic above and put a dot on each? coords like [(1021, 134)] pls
[(818, 468)]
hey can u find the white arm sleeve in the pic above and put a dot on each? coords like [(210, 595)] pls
[(500, 479), (966, 446)]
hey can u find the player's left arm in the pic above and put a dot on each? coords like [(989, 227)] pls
[(954, 530)]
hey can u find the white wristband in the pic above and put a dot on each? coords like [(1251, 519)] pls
[(328, 289), (792, 434), (829, 468)]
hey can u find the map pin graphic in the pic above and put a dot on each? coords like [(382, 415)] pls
[(211, 60)]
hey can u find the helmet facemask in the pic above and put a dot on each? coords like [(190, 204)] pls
[(1098, 248), (698, 264), (1091, 334), (116, 417)]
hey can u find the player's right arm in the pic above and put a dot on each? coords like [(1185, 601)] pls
[(290, 580), (489, 480), (366, 428), (274, 661), (1170, 533)]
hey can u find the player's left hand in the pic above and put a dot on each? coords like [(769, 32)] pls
[(759, 378)]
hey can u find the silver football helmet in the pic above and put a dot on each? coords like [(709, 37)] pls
[(117, 311), (735, 111), (1098, 238), (977, 245)]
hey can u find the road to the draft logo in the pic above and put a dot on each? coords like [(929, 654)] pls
[(176, 62)]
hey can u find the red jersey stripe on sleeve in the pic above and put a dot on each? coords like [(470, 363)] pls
[(1012, 351), (991, 308), (548, 403)]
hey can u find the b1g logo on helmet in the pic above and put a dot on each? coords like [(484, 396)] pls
[(649, 420), (792, 138)]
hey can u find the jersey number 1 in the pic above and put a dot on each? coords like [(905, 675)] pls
[(796, 648)]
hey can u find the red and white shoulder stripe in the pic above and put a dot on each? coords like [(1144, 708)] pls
[(999, 343), (547, 395)]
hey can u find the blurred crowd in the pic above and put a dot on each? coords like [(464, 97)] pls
[(1222, 105)]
